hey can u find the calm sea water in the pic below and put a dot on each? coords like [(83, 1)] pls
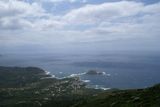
[(123, 70)]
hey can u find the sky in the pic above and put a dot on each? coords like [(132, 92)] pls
[(79, 25)]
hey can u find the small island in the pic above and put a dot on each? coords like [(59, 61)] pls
[(95, 72)]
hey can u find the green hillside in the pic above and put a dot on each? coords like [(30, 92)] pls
[(149, 97), (32, 87)]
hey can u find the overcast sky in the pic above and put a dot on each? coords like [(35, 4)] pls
[(84, 25)]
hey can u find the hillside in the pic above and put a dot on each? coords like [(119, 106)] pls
[(149, 97), (32, 87)]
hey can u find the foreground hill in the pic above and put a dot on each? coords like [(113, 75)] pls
[(149, 97), (32, 87)]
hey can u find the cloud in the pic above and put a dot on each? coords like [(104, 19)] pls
[(58, 1), (20, 8), (103, 12), (116, 20), (33, 15), (16, 14), (90, 23), (14, 23)]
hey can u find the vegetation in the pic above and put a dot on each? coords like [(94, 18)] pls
[(32, 87), (149, 97)]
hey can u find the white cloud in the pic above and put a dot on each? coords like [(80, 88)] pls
[(14, 23), (90, 23), (58, 1), (14, 14), (117, 20), (14, 8), (34, 16), (103, 12)]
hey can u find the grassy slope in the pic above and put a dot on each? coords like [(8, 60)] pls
[(149, 97)]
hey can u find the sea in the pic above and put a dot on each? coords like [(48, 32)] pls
[(122, 70)]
